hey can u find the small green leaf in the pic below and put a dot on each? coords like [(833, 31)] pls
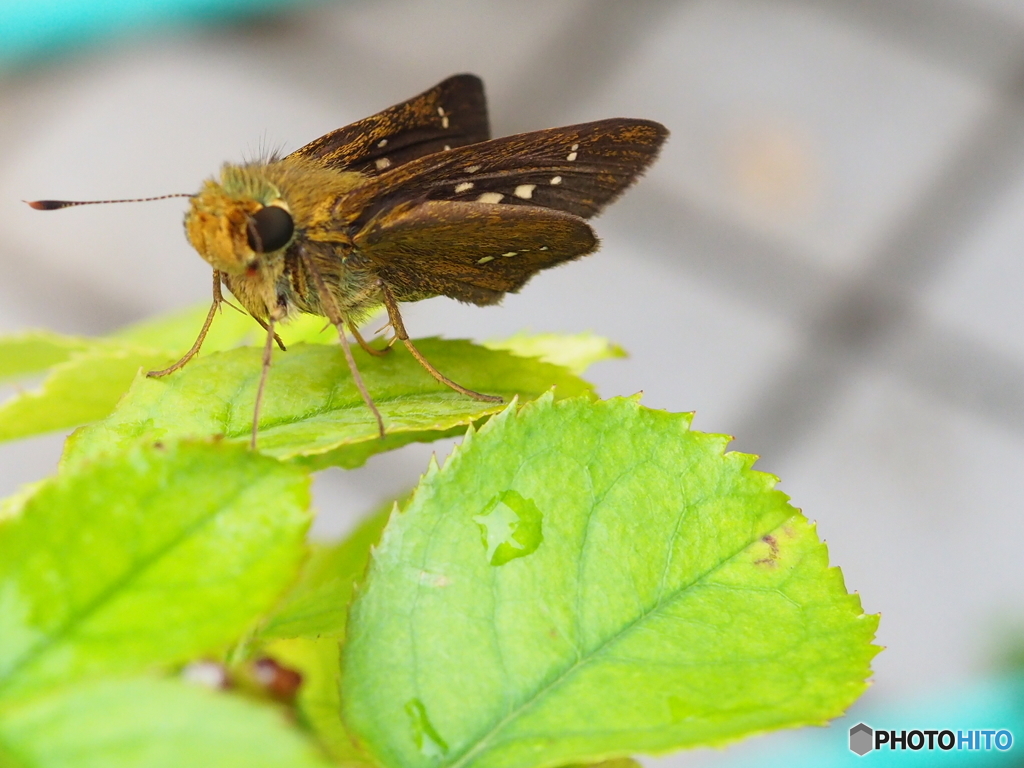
[(666, 597), (35, 351), (155, 556), (88, 376), (318, 701), (81, 389), (177, 331), (577, 352), (150, 723), (317, 606), (312, 408)]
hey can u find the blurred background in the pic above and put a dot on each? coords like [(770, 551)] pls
[(824, 263)]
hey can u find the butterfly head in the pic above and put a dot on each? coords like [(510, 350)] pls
[(240, 222)]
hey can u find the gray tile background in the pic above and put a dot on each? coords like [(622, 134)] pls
[(825, 262)]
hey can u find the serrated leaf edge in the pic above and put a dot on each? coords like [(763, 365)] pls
[(744, 463)]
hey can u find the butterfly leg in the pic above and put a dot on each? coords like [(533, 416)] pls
[(266, 327), (357, 377), (268, 349), (218, 299), (393, 339), (366, 347), (330, 306), (400, 333)]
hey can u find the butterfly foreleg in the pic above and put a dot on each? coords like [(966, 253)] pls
[(218, 299)]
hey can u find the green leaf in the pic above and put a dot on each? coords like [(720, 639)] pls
[(317, 606), (155, 556), (13, 504), (177, 331), (35, 351), (577, 352), (81, 389), (655, 593), (87, 377), (319, 701), (312, 408), (148, 723)]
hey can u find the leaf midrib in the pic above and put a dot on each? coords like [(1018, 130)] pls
[(77, 618), (481, 743)]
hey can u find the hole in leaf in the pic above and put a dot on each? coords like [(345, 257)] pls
[(510, 527)]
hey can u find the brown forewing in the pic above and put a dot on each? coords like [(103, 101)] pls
[(577, 169), (451, 114), (469, 251)]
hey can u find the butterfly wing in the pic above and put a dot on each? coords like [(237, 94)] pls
[(578, 169), (479, 221), (470, 251), (451, 114)]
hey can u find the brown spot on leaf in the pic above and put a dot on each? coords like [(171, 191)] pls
[(773, 551)]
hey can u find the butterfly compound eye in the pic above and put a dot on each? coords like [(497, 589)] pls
[(270, 228)]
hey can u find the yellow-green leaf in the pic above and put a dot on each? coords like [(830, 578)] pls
[(150, 723), (589, 580), (156, 555), (312, 409)]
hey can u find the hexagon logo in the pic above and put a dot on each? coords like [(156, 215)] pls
[(862, 739)]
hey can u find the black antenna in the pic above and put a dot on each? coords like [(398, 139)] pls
[(53, 205)]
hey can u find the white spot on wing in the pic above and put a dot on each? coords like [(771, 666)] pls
[(510, 254), (574, 147), (382, 163), (490, 197), (464, 186), (447, 147), (542, 248), (382, 143), (473, 169), (556, 179), (525, 191), (485, 259), (571, 156)]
